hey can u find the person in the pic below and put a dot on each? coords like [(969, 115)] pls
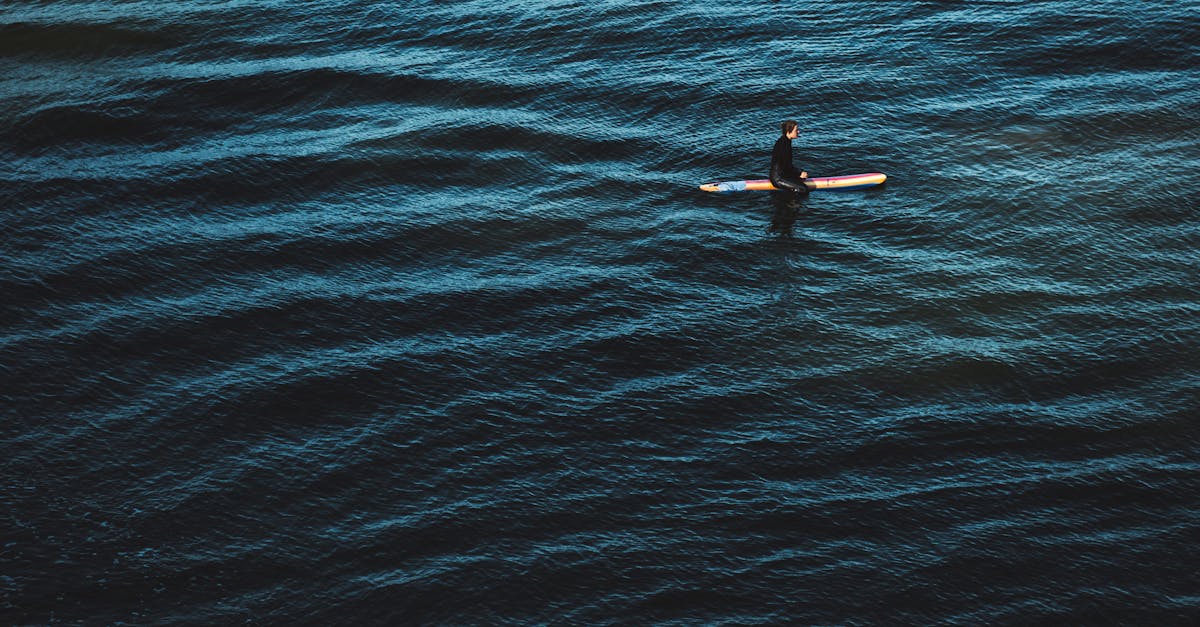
[(784, 174)]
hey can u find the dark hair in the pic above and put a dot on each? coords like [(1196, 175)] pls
[(787, 126)]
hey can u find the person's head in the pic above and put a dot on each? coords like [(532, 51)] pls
[(790, 129)]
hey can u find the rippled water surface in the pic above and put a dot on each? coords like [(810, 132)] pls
[(412, 313)]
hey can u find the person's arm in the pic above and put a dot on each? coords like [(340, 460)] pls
[(792, 170)]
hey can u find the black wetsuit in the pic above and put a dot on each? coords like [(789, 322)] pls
[(784, 174)]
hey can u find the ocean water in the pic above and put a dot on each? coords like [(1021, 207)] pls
[(412, 313)]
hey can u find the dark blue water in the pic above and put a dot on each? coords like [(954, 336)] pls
[(412, 313)]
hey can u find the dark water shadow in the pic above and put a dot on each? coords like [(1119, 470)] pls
[(786, 208)]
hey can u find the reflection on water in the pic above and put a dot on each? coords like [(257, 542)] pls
[(786, 208)]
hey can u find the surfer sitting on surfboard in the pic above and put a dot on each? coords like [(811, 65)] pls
[(784, 174)]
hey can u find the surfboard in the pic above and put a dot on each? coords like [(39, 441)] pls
[(834, 183)]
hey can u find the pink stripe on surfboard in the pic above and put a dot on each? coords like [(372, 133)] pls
[(826, 178)]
